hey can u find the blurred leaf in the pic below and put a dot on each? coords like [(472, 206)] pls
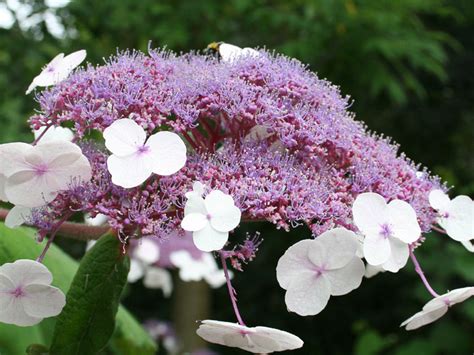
[(370, 342), (88, 320)]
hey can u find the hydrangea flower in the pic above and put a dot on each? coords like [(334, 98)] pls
[(387, 228), (135, 157), (210, 219), (456, 216), (437, 307), (36, 174), (159, 278), (230, 53), (58, 69), (251, 339), (192, 269), (313, 270), (26, 294)]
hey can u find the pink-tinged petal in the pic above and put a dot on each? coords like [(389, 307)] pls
[(403, 221), (225, 216), (168, 151), (48, 76), (439, 200), (3, 181), (28, 189), (208, 239), (369, 212), (376, 249), (14, 313), (12, 156), (341, 245), (17, 216), (459, 224), (460, 294), (308, 293), (76, 172), (43, 301), (147, 251), (423, 318), (194, 222), (130, 171), (347, 278), (6, 286), (398, 256), (293, 262), (23, 272), (124, 137)]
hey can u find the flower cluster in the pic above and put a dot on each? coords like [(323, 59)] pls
[(199, 144)]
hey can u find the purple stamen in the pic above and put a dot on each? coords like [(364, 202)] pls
[(385, 230)]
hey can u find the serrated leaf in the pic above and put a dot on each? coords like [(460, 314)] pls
[(87, 322)]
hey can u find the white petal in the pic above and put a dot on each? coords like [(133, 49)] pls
[(15, 314), (376, 249), (124, 137), (12, 156), (99, 220), (423, 318), (369, 212), (147, 251), (158, 278), (71, 61), (284, 340), (346, 279), (49, 75), (460, 223), (341, 245), (137, 270), (308, 294), (3, 180), (398, 256), (55, 133), (208, 239), (24, 272), (460, 295), (6, 286), (438, 200), (17, 216), (229, 52), (193, 222), (195, 204), (225, 216), (198, 188), (168, 151), (468, 245), (129, 171), (293, 262), (27, 189), (216, 278), (43, 301), (403, 221), (371, 270)]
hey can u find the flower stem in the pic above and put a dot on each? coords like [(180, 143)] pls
[(419, 271), (231, 290), (35, 142), (52, 236)]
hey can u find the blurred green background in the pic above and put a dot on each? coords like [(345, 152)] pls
[(407, 64)]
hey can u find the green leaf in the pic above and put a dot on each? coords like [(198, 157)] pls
[(88, 320), (19, 243)]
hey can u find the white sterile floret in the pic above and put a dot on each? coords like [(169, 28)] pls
[(229, 53), (58, 69), (210, 219), (456, 216), (437, 307), (134, 157), (159, 278), (251, 339), (387, 229), (54, 133), (36, 174), (192, 269), (314, 269), (26, 294), (145, 254)]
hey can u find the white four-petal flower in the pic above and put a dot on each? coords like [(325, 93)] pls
[(36, 174), (456, 216), (135, 157), (437, 307), (314, 269), (58, 69), (387, 228), (26, 294), (210, 219), (230, 53), (251, 339)]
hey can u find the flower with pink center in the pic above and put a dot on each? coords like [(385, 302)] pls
[(437, 307), (36, 174), (387, 229), (135, 157), (58, 69), (314, 269), (210, 219), (251, 339), (26, 294)]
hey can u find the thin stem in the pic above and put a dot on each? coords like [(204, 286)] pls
[(231, 291), (35, 142), (52, 236), (439, 230), (419, 271)]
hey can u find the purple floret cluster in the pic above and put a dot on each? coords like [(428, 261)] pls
[(308, 167)]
